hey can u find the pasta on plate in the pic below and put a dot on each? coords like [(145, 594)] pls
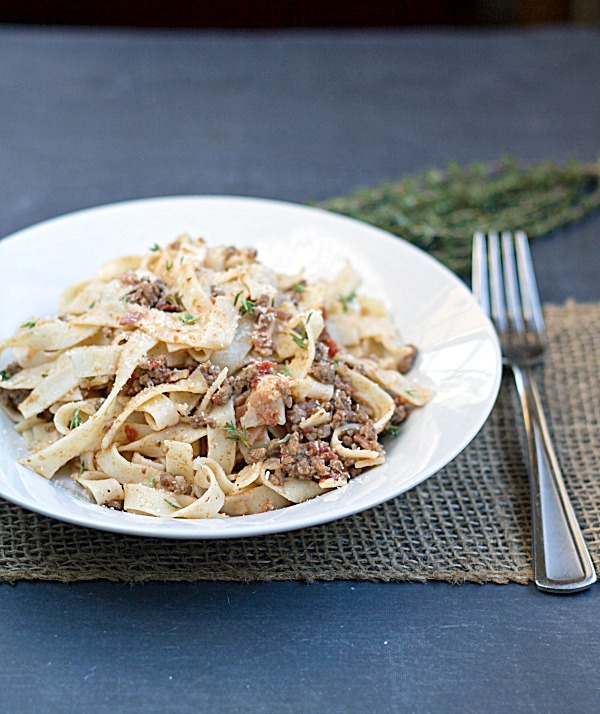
[(195, 382)]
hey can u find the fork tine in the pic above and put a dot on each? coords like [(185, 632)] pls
[(479, 271), (532, 310), (511, 284), (497, 284)]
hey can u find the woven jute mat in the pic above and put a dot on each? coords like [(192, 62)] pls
[(470, 522)]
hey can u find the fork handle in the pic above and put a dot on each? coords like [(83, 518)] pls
[(561, 560)]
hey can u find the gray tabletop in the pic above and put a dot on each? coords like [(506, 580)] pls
[(90, 117)]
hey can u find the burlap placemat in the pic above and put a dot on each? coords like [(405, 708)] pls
[(470, 522)]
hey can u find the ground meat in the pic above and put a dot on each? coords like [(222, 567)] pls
[(210, 371), (199, 420), (115, 504), (302, 410), (345, 409), (262, 334), (177, 484), (401, 412), (258, 454), (323, 367), (308, 461), (11, 398), (405, 363), (151, 372), (146, 292), (365, 437), (223, 394), (245, 377), (12, 369), (154, 293)]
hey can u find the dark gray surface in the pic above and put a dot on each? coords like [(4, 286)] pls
[(328, 648), (93, 117)]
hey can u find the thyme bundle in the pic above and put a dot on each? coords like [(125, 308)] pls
[(438, 210)]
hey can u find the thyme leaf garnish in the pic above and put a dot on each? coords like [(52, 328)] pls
[(246, 306), (188, 319), (154, 248), (4, 375), (30, 324), (171, 504), (302, 339), (76, 419), (345, 299), (234, 435), (299, 288), (168, 264)]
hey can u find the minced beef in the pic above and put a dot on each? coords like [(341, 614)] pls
[(314, 460), (11, 398), (176, 484), (151, 372), (405, 363), (323, 367), (262, 334), (223, 393), (154, 293), (345, 409), (401, 412), (365, 437)]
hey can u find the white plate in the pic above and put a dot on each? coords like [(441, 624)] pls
[(431, 307)]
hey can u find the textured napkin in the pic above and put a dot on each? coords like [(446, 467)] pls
[(469, 522)]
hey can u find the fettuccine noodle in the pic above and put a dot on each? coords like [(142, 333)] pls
[(194, 382)]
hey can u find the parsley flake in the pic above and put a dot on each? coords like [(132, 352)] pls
[(299, 288)]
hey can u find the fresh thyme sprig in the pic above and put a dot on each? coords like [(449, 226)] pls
[(345, 299), (154, 248), (76, 419), (246, 306), (439, 210), (234, 435), (187, 319), (302, 339)]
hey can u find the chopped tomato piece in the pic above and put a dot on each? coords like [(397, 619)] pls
[(130, 433), (332, 346)]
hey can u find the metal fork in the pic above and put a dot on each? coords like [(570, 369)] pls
[(504, 283)]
